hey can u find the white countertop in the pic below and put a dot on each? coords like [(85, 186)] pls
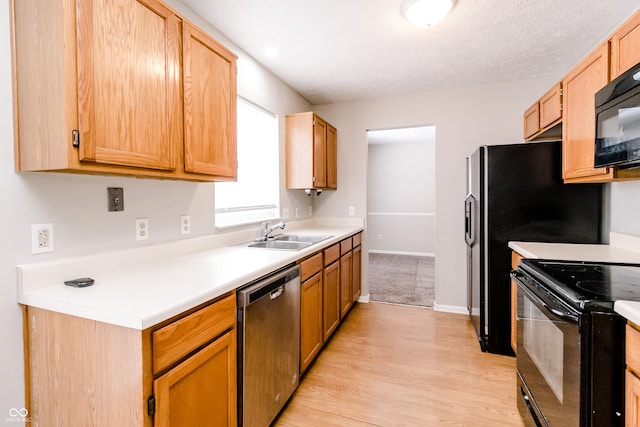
[(575, 252), (151, 284), (622, 249)]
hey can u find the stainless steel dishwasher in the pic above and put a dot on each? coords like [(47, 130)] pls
[(268, 346)]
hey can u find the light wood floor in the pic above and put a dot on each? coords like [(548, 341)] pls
[(391, 365)]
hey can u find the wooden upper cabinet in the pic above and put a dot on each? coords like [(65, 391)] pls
[(544, 114), (319, 177), (551, 106), (209, 105), (578, 131), (311, 152), (332, 157), (532, 120), (98, 89), (128, 89), (625, 46)]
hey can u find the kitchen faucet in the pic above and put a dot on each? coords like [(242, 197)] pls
[(266, 230)]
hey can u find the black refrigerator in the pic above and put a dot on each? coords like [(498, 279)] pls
[(515, 192)]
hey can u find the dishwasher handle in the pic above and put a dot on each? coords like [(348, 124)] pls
[(272, 286), (275, 294)]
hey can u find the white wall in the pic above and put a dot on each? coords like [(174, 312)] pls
[(625, 207), (77, 204), (464, 118), (401, 197)]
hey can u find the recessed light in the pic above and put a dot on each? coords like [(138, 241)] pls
[(272, 51)]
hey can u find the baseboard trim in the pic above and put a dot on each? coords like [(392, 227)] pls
[(374, 251), (450, 308), (364, 298)]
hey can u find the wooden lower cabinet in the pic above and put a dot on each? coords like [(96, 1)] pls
[(311, 338), (632, 376), (330, 284), (330, 299), (515, 259), (181, 372), (356, 276), (346, 294), (201, 390)]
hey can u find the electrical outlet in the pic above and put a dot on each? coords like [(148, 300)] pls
[(142, 228), (41, 238), (310, 210), (352, 211), (379, 236), (297, 212), (285, 213), (185, 224)]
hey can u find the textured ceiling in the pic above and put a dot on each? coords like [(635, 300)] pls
[(343, 50)]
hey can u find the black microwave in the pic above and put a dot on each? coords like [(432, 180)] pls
[(618, 121)]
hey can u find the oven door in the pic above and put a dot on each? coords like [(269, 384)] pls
[(548, 358)]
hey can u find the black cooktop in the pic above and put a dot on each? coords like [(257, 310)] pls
[(586, 285)]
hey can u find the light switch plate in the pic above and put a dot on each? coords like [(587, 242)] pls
[(116, 199)]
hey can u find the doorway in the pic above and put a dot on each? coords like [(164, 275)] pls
[(401, 215)]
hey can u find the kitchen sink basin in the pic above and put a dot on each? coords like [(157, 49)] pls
[(280, 244), (289, 242), (310, 238)]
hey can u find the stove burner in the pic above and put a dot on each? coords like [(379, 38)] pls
[(621, 290), (573, 268), (598, 287)]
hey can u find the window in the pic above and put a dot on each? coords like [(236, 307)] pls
[(254, 197)]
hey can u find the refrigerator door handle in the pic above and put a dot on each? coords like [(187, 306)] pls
[(469, 232)]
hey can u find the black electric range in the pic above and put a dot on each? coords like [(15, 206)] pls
[(570, 342), (587, 286)]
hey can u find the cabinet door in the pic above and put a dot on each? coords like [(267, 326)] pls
[(531, 120), (632, 400), (319, 152), (346, 295), (356, 281), (201, 391), (129, 103), (330, 299), (310, 320), (578, 132), (209, 105), (625, 46), (551, 106), (332, 157), (515, 259)]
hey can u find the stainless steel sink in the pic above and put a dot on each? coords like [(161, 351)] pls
[(289, 242), (310, 238), (280, 244)]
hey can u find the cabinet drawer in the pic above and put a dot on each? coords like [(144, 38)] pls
[(345, 246), (310, 266), (331, 254), (357, 240), (176, 340), (633, 348)]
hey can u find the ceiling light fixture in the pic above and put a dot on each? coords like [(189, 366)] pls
[(426, 13)]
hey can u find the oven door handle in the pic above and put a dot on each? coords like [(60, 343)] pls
[(544, 301)]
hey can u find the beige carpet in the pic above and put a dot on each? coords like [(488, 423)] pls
[(402, 279)]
